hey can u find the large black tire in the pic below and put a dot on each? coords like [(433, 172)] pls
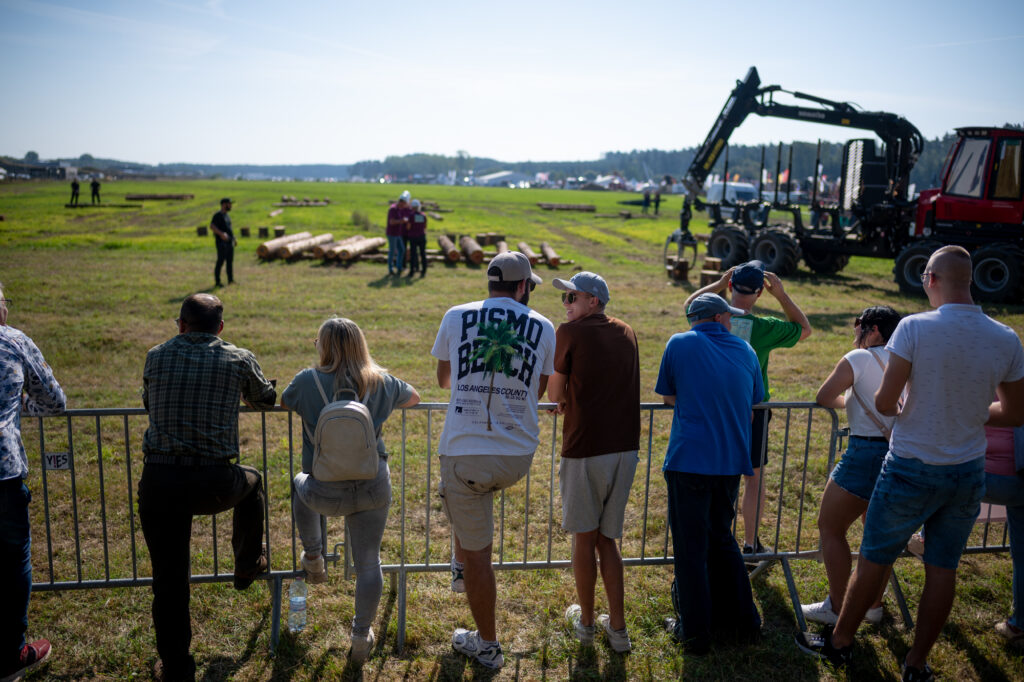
[(910, 263), (996, 276), (777, 249), (823, 261), (731, 244)]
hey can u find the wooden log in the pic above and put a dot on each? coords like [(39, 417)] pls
[(525, 249), (501, 246), (264, 232), (279, 230), (702, 237), (472, 250), (246, 232), (712, 263), (157, 197), (294, 248), (269, 249), (201, 231), (435, 216), (321, 250), (708, 276), (276, 212), (590, 208), (549, 254), (448, 248), (102, 205), (354, 249)]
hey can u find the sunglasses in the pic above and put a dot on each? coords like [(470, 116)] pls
[(570, 297)]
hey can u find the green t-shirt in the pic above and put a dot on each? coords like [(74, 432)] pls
[(765, 334)]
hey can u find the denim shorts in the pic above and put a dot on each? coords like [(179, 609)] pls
[(858, 468), (909, 493)]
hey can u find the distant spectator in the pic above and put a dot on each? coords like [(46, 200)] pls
[(74, 192), (224, 239), (647, 201), (852, 385), (657, 201), (399, 214), (95, 186), (417, 239), (26, 385), (345, 363)]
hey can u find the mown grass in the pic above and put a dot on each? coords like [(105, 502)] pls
[(97, 287)]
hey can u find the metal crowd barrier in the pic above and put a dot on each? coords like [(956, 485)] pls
[(87, 462)]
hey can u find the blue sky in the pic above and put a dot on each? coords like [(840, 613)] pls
[(232, 81)]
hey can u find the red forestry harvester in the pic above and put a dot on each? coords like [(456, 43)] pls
[(979, 204)]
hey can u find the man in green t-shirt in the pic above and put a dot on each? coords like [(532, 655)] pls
[(764, 333)]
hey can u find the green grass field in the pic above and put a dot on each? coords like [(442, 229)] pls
[(96, 288)]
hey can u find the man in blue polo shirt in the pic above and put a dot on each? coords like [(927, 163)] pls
[(713, 380)]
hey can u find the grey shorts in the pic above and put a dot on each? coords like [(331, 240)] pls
[(595, 491), (468, 484)]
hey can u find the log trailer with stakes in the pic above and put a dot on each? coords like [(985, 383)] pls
[(978, 205)]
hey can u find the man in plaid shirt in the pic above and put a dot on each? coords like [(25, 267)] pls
[(191, 387)]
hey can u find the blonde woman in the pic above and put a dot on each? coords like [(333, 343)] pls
[(345, 363)]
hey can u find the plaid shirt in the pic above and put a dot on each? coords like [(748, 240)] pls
[(26, 384), (191, 386)]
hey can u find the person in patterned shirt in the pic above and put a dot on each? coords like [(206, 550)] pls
[(26, 385), (191, 388)]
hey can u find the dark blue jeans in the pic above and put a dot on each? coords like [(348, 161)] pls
[(15, 570), (711, 593)]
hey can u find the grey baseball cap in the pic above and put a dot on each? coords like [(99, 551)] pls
[(709, 305), (587, 282), (511, 266)]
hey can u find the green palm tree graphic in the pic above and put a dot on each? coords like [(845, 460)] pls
[(501, 344)]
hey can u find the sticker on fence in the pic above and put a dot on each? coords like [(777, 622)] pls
[(57, 461)]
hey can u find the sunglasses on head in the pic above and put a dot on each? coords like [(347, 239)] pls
[(570, 297)]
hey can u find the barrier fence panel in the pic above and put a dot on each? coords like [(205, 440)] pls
[(86, 464)]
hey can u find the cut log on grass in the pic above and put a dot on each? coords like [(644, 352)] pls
[(549, 254), (435, 215), (589, 208), (279, 230), (292, 249), (448, 248), (525, 249), (102, 205), (472, 250), (264, 232), (276, 212), (158, 197), (322, 250), (353, 249), (201, 231), (501, 246), (269, 249)]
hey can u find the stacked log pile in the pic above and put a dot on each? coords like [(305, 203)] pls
[(588, 208), (269, 249), (294, 248), (158, 197)]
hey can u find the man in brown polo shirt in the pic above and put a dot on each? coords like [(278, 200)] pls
[(596, 385)]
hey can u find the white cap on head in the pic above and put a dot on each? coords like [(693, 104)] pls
[(405, 196)]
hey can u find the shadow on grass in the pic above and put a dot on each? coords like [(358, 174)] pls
[(224, 668), (985, 667)]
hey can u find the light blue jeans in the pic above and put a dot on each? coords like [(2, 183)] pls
[(396, 254), (364, 504), (1009, 491)]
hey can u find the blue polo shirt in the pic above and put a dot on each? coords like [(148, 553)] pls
[(716, 380)]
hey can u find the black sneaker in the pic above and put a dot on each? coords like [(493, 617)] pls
[(912, 674), (821, 646), (756, 548)]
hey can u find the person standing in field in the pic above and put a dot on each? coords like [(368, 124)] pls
[(496, 356), (712, 379), (951, 361), (764, 333), (95, 187), (852, 385), (224, 238), (657, 201), (399, 214), (27, 386), (345, 363), (191, 386), (647, 201), (417, 239), (74, 192), (596, 385)]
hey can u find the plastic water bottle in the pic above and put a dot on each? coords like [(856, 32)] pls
[(297, 606)]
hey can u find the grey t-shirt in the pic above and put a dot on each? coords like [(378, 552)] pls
[(304, 398)]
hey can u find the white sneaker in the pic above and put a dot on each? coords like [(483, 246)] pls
[(458, 581), (820, 612), (316, 573), (874, 616), (361, 646), (468, 643), (618, 640), (584, 633)]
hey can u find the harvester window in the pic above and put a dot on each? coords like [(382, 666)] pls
[(967, 176), (1007, 171)]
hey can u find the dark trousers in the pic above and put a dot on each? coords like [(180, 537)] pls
[(711, 592), (15, 571), (95, 196), (418, 245), (169, 496), (225, 255), (74, 198)]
